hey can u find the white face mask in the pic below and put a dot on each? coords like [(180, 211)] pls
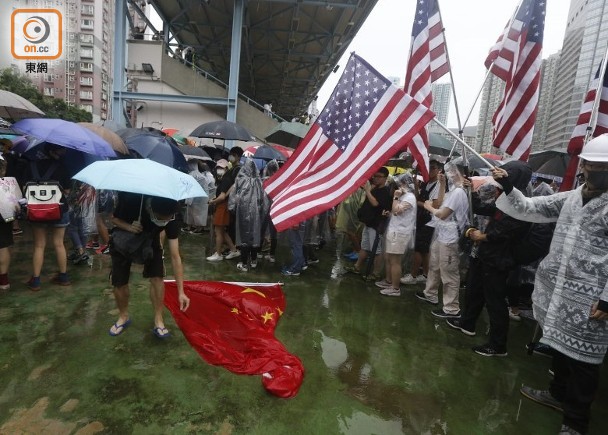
[(220, 172)]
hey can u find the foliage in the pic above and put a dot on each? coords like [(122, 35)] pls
[(52, 107)]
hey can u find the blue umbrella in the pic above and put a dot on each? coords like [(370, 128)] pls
[(154, 145), (63, 133), (141, 176)]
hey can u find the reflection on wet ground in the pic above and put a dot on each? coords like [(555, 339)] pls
[(374, 365)]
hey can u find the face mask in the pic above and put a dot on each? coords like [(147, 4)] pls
[(231, 159), (220, 172), (158, 222), (598, 180)]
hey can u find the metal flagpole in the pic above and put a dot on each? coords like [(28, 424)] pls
[(569, 177), (462, 142), (460, 127), (488, 72)]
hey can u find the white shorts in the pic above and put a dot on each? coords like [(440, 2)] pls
[(397, 243), (367, 240)]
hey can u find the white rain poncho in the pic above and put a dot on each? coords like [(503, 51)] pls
[(198, 208), (574, 275), (247, 202)]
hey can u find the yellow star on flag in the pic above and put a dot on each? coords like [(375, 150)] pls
[(267, 316)]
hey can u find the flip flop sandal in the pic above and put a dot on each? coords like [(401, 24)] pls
[(161, 333), (119, 328)]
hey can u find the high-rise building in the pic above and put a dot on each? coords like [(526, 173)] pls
[(82, 76), (491, 96), (547, 89), (582, 51), (442, 94)]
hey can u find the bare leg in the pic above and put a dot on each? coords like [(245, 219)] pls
[(219, 238), (394, 262), (121, 295), (39, 233), (102, 229), (416, 263), (5, 260), (62, 261), (157, 296)]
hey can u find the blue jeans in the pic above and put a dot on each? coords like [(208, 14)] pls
[(296, 242), (76, 232)]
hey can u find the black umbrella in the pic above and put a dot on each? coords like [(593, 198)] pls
[(154, 145), (555, 166), (215, 153), (222, 130), (194, 153), (266, 152)]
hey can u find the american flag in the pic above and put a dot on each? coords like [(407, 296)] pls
[(516, 58), (577, 140), (428, 62), (365, 122)]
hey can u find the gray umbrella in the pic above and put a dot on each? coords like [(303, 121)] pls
[(194, 153), (288, 133), (15, 107)]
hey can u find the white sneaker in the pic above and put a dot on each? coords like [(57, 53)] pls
[(241, 267), (390, 292), (269, 258), (420, 278), (408, 279), (233, 254), (254, 264), (383, 284), (215, 257), (260, 255)]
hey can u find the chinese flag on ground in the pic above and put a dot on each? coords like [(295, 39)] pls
[(232, 325)]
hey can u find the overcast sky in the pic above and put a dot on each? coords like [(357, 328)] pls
[(471, 28)]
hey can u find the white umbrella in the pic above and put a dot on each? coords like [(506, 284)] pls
[(15, 107), (141, 176)]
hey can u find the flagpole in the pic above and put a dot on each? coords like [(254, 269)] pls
[(592, 121), (598, 98), (460, 126), (462, 142), (488, 72)]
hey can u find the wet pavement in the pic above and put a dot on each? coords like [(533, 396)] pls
[(374, 364)]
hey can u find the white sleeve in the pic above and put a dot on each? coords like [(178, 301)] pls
[(540, 209)]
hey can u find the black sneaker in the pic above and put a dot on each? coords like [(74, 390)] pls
[(312, 260), (455, 323), (82, 259), (487, 350), (543, 397), (420, 295), (540, 349), (443, 315)]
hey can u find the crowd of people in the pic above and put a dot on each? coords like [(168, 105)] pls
[(458, 233)]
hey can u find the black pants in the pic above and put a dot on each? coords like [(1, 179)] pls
[(487, 287), (248, 255), (574, 384)]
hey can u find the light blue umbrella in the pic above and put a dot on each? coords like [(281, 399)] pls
[(141, 176)]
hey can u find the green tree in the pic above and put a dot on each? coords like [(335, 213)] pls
[(52, 107)]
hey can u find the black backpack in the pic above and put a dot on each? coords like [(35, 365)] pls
[(534, 245)]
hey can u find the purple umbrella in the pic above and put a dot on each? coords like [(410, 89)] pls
[(63, 133)]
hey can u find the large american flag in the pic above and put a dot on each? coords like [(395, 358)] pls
[(583, 123), (428, 62), (366, 121), (516, 58)]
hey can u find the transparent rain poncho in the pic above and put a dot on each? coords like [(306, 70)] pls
[(197, 209), (247, 202)]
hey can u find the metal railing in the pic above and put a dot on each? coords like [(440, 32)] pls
[(207, 75)]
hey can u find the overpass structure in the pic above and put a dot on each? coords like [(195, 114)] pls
[(265, 51)]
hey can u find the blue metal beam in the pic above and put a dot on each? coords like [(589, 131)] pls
[(235, 59), (120, 78)]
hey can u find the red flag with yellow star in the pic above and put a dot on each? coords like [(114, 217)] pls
[(232, 325)]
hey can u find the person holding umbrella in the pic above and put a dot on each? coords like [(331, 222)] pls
[(138, 214), (48, 169)]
